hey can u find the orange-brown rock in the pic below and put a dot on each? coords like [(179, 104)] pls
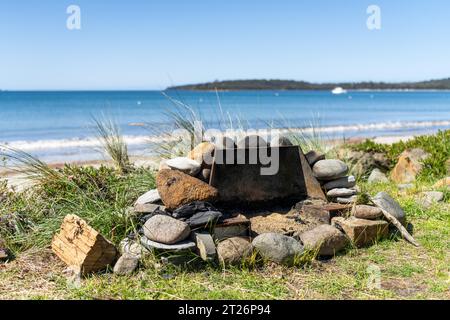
[(203, 153), (81, 247), (177, 189), (408, 166), (362, 232), (442, 183)]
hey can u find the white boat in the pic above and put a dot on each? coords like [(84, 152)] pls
[(338, 90)]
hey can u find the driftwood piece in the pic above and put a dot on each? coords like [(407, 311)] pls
[(398, 225), (81, 247)]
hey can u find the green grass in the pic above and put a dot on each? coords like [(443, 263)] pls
[(102, 195), (438, 146), (407, 272)]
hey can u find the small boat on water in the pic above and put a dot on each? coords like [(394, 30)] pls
[(338, 90)]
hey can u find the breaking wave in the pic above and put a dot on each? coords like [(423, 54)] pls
[(136, 140)]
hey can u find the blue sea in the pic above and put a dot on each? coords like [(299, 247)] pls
[(57, 126)]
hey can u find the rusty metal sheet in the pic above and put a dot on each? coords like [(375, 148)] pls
[(242, 182)]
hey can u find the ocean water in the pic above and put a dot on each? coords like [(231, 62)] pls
[(57, 126)]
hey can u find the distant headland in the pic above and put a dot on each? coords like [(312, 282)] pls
[(258, 84)]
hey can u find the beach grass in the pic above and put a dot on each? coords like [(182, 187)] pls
[(406, 272), (103, 195), (112, 142)]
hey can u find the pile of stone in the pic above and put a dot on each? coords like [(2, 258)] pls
[(184, 217), (334, 179), (182, 182)]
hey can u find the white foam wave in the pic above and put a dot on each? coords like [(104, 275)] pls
[(92, 142)]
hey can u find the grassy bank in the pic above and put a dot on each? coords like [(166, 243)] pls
[(406, 272), (103, 195)]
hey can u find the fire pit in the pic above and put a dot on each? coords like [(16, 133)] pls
[(243, 182)]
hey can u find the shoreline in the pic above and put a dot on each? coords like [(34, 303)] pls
[(19, 182)]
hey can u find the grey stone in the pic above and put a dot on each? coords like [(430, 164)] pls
[(233, 250), (348, 200), (387, 203), (327, 170), (185, 165), (205, 174), (342, 192), (180, 246), (429, 198), (313, 156), (132, 247), (365, 162), (278, 248), (206, 247), (344, 182), (148, 208), (166, 230), (151, 196), (326, 239), (376, 176), (280, 141), (251, 141), (367, 212), (126, 264)]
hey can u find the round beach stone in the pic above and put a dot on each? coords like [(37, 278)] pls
[(429, 198), (344, 182), (205, 174), (185, 165), (326, 239), (313, 157), (278, 248), (348, 200), (327, 170), (126, 264), (183, 246), (151, 196), (203, 154), (387, 203), (232, 250), (376, 176), (251, 141), (132, 247), (280, 141), (341, 192), (367, 212), (166, 230)]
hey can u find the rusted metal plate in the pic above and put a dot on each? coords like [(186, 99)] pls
[(240, 180)]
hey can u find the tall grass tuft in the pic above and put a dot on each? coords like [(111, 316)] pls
[(24, 163), (112, 142)]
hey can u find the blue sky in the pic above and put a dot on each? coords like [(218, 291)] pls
[(151, 44)]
